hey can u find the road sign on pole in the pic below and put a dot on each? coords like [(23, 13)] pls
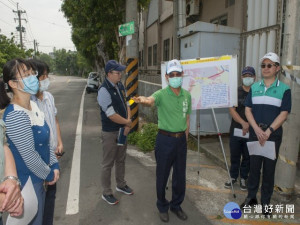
[(126, 29)]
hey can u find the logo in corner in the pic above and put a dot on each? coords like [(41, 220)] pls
[(232, 211)]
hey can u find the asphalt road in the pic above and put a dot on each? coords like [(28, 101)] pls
[(137, 209)]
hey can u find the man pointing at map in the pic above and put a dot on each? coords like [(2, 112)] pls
[(174, 108)]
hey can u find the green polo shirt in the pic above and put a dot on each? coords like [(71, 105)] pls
[(172, 109), (267, 103)]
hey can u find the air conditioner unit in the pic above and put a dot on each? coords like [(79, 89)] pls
[(192, 8)]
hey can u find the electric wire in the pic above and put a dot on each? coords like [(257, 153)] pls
[(6, 5), (7, 23)]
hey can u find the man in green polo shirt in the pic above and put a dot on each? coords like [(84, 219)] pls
[(267, 107), (174, 108)]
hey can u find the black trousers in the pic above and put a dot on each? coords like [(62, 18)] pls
[(238, 150), (49, 205), (268, 172), (170, 152)]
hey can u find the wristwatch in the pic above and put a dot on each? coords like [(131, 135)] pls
[(271, 129)]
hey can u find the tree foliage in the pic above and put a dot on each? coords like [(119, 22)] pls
[(95, 27), (63, 62), (47, 59), (9, 50), (69, 63)]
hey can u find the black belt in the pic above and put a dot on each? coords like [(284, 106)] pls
[(172, 134)]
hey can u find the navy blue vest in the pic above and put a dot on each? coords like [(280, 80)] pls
[(118, 103)]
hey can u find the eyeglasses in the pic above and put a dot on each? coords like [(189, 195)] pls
[(116, 72), (171, 75), (267, 65)]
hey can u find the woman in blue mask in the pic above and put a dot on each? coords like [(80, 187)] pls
[(46, 104), (28, 133)]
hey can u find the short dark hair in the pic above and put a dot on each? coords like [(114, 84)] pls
[(11, 68), (39, 66)]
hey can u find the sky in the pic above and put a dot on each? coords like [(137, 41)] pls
[(44, 23)]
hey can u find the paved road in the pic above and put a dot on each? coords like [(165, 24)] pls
[(205, 193), (138, 209)]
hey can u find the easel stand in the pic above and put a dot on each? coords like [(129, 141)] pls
[(198, 137), (222, 147)]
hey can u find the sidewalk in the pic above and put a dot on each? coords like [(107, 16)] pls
[(206, 175)]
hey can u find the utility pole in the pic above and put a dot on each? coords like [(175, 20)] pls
[(35, 44), (131, 82), (20, 28), (288, 154)]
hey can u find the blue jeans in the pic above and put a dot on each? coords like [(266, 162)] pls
[(238, 149), (49, 205), (170, 152), (40, 194)]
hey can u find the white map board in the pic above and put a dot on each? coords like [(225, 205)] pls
[(212, 81)]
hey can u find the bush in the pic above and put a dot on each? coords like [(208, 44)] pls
[(133, 138), (145, 139)]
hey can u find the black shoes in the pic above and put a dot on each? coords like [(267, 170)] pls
[(110, 199), (126, 190), (179, 213), (228, 183), (164, 217), (243, 184), (249, 202)]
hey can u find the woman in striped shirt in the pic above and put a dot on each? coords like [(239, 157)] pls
[(11, 200), (28, 133)]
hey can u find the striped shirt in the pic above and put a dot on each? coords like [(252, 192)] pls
[(28, 138), (267, 103), (47, 106)]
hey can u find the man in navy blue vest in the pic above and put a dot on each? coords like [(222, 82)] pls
[(115, 115)]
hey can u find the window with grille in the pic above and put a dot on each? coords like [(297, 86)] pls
[(221, 20), (155, 55), (166, 52), (150, 56)]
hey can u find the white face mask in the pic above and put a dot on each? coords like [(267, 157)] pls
[(44, 84), (248, 81)]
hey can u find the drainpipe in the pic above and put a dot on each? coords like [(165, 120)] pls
[(176, 46)]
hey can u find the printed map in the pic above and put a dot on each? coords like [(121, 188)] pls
[(212, 82)]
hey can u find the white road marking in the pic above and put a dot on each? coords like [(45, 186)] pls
[(73, 195)]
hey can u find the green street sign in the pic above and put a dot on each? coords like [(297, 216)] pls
[(126, 29)]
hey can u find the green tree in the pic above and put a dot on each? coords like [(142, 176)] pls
[(70, 63), (65, 62), (47, 59), (83, 65), (9, 50), (95, 27)]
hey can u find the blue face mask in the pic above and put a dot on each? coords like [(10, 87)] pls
[(175, 82), (31, 84)]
